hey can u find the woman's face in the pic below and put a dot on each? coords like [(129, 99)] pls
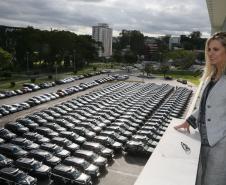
[(216, 53)]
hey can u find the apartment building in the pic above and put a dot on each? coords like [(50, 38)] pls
[(103, 34)]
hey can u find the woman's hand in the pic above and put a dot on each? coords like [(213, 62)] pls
[(184, 126)]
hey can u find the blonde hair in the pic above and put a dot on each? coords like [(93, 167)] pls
[(210, 70)]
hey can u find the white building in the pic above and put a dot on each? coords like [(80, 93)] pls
[(102, 33), (217, 14), (174, 43)]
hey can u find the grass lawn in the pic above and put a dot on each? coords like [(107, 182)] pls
[(19, 79), (190, 78)]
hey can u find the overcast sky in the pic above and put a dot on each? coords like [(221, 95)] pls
[(151, 17)]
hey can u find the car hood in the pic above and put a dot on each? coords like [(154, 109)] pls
[(92, 168), (100, 160), (63, 153), (83, 178), (43, 169)]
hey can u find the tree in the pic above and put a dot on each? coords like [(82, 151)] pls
[(182, 58), (164, 69), (5, 59), (148, 68)]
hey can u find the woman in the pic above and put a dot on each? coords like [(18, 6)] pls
[(210, 115)]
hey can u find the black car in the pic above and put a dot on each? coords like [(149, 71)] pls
[(6, 134), (35, 137), (44, 156), (33, 167), (55, 127), (47, 132), (138, 148), (24, 143), (11, 175), (84, 132), (83, 165), (68, 174), (114, 135), (37, 119), (28, 123), (52, 113), (55, 149), (92, 157), (73, 137), (90, 126), (17, 128), (99, 149), (12, 151), (45, 116), (5, 161), (64, 123), (108, 142), (66, 143)]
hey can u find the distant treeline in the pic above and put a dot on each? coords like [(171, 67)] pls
[(32, 49)]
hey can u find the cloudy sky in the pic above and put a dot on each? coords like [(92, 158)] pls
[(152, 17)]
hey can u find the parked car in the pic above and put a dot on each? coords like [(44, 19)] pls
[(11, 175), (99, 149), (66, 143), (24, 143), (55, 150), (45, 157), (82, 165), (6, 134), (5, 161), (9, 108), (33, 167), (108, 142), (32, 86), (47, 132), (73, 137), (12, 151), (35, 137), (17, 128), (68, 174), (92, 157)]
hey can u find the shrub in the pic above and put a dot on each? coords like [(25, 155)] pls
[(50, 77), (12, 84), (33, 80)]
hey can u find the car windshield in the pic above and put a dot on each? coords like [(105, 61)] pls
[(85, 164), (36, 164), (57, 149), (20, 176), (48, 156), (74, 173), (2, 157), (94, 156)]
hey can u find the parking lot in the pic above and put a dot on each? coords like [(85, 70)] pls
[(125, 167)]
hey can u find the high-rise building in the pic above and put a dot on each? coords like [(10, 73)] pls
[(103, 34)]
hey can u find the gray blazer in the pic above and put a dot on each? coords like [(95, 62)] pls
[(215, 111)]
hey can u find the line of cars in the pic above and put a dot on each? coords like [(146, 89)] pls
[(30, 87), (79, 138), (36, 100)]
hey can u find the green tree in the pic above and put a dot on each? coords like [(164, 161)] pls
[(182, 58), (5, 59), (148, 68)]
